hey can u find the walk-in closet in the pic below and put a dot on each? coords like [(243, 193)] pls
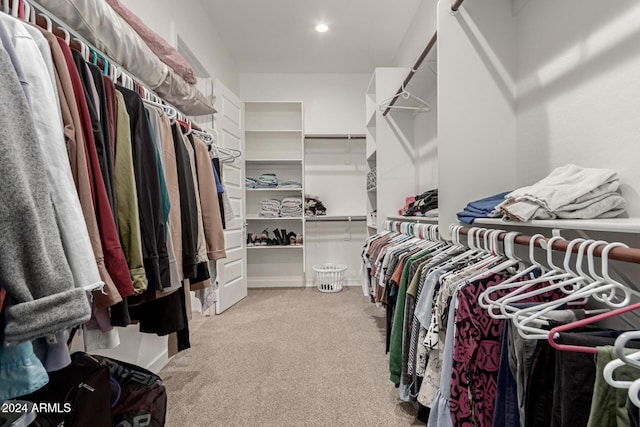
[(338, 213)]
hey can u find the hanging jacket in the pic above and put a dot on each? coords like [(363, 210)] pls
[(103, 117), (34, 271), (78, 161), (110, 98), (211, 212), (113, 256), (153, 114), (154, 249), (128, 199), (187, 206), (38, 70)]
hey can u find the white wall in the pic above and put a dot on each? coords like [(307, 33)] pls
[(579, 89), (423, 84), (476, 103), (418, 34), (191, 22), (333, 103)]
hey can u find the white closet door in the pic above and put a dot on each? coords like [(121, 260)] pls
[(232, 271)]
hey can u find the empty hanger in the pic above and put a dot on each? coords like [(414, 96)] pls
[(406, 95)]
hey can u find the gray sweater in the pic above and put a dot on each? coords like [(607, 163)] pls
[(33, 268)]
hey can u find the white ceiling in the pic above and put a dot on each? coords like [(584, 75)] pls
[(278, 36)]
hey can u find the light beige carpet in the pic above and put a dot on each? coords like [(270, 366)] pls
[(287, 357)]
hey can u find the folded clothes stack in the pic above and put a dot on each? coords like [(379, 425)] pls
[(267, 180), (250, 182), (290, 184), (270, 208), (291, 207), (569, 191), (423, 203), (483, 208), (372, 179), (313, 206)]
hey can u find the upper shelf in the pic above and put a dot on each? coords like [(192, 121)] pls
[(289, 189), (431, 220), (618, 225), (274, 161), (273, 130)]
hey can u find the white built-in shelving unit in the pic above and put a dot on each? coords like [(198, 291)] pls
[(274, 137)]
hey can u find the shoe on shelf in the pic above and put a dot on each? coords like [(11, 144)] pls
[(285, 239), (279, 239), (291, 237), (264, 238), (299, 240), (249, 242)]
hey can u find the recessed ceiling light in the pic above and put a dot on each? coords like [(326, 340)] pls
[(322, 28)]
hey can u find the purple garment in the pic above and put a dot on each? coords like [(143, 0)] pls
[(476, 353), (53, 353)]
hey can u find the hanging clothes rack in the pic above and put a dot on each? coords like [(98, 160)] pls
[(413, 71), (345, 136), (454, 9), (631, 255)]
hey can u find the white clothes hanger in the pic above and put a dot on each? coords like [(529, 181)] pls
[(596, 287), (423, 106), (555, 276), (632, 359)]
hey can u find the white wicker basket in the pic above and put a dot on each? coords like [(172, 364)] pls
[(329, 277)]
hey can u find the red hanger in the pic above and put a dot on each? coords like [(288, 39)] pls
[(584, 322)]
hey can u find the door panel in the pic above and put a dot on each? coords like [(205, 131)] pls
[(233, 269)]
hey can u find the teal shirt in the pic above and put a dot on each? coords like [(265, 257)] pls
[(164, 193)]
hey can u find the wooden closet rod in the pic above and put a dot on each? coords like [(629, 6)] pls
[(620, 254), (415, 67)]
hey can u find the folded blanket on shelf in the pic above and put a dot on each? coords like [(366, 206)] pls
[(270, 208), (569, 191), (268, 180), (483, 208), (250, 182), (291, 207), (290, 184)]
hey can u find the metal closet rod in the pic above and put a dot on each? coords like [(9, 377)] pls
[(423, 55), (336, 219), (415, 67), (335, 137), (619, 254), (456, 5)]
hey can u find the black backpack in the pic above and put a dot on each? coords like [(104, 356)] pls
[(98, 391)]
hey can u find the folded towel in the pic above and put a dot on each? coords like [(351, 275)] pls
[(571, 191), (482, 208)]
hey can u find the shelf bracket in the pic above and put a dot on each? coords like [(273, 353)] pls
[(347, 151)]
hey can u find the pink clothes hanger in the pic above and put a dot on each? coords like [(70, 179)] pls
[(554, 333)]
